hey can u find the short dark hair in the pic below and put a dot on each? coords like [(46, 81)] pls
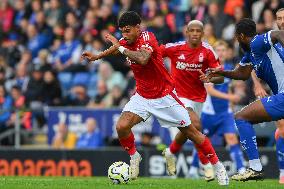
[(247, 27), (129, 18)]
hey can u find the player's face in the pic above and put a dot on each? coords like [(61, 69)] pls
[(221, 52), (280, 20), (130, 33), (194, 34), (244, 42)]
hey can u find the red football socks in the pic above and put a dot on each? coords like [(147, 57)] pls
[(175, 147), (206, 151), (204, 160), (128, 144)]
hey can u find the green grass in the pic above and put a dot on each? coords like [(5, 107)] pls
[(141, 183)]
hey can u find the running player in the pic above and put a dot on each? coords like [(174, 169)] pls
[(155, 93), (260, 93), (264, 54), (189, 59)]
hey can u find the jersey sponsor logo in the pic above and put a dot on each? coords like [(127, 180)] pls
[(268, 99), (188, 67), (181, 57)]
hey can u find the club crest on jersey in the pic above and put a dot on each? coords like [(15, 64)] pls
[(201, 57), (181, 57)]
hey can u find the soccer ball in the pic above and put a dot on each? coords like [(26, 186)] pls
[(119, 172)]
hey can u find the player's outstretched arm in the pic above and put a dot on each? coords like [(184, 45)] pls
[(277, 36), (239, 73), (141, 56), (92, 57), (217, 79)]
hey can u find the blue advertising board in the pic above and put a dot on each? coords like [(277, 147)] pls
[(106, 119)]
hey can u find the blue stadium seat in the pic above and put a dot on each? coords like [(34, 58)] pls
[(81, 78), (65, 79), (93, 80), (92, 92), (92, 85)]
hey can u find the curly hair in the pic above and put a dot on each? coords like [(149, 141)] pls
[(129, 18), (247, 27)]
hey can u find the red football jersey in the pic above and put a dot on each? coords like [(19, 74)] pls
[(152, 80), (185, 65)]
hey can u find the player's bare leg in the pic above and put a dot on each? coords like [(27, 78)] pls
[(208, 169), (279, 137), (176, 145), (251, 114), (206, 152), (126, 121)]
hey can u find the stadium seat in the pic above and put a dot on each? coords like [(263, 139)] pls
[(92, 91), (65, 79), (92, 85), (93, 80), (81, 78)]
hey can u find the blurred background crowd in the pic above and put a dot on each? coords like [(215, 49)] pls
[(41, 42)]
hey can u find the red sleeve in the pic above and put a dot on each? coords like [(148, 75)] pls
[(122, 42), (149, 41), (213, 60), (167, 50)]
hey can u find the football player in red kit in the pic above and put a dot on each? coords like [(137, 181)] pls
[(155, 94), (189, 61)]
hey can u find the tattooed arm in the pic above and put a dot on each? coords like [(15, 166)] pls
[(108, 52), (141, 56)]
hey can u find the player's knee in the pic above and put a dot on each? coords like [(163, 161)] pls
[(195, 121), (121, 126), (193, 134), (180, 138)]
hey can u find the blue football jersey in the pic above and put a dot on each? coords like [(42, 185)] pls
[(214, 105), (267, 60)]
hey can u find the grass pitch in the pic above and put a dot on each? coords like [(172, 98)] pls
[(141, 183)]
